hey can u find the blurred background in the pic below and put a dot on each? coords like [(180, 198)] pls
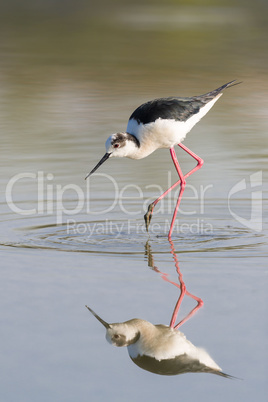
[(71, 68)]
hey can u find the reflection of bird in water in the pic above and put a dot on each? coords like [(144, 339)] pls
[(162, 123), (158, 348)]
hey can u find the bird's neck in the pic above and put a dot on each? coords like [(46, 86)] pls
[(139, 150)]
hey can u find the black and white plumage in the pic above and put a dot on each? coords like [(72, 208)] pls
[(158, 348), (173, 108), (161, 123)]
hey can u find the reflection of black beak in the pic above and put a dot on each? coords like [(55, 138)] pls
[(105, 157), (98, 318)]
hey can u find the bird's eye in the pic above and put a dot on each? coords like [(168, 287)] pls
[(116, 336), (116, 145)]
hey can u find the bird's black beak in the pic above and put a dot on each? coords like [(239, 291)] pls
[(103, 159), (106, 325)]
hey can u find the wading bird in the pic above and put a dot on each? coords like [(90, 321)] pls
[(162, 123)]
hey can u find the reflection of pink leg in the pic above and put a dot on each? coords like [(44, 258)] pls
[(178, 304), (183, 293), (192, 312), (180, 285)]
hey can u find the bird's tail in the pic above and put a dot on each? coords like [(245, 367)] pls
[(220, 373), (217, 91)]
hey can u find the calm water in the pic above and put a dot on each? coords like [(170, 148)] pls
[(66, 83)]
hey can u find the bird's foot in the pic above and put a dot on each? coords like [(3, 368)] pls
[(148, 215)]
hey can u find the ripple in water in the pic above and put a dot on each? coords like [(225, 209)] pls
[(59, 237)]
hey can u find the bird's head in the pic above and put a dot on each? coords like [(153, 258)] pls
[(118, 145), (119, 334)]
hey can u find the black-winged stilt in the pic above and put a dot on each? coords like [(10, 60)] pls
[(158, 348), (162, 123)]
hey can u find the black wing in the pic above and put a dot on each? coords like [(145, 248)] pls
[(166, 108), (180, 109)]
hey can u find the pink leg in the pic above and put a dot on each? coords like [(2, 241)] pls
[(200, 162), (182, 178), (183, 182)]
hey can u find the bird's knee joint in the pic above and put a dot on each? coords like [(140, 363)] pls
[(200, 162)]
